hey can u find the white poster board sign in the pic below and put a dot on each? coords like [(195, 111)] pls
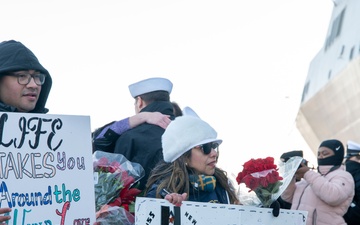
[(150, 211), (46, 171)]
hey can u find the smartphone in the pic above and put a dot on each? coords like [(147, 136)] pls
[(303, 161)]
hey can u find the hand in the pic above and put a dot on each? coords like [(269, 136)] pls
[(176, 198), (4, 218), (157, 118), (276, 208), (301, 171)]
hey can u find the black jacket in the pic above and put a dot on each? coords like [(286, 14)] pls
[(15, 56), (142, 144), (352, 216)]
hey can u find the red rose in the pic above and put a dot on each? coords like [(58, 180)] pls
[(262, 177)]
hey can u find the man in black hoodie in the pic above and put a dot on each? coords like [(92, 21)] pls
[(24, 85)]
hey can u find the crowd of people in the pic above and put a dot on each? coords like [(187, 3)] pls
[(179, 151)]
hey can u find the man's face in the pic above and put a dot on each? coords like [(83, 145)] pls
[(22, 96), (355, 158)]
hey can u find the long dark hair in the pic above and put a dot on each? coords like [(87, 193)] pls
[(175, 178)]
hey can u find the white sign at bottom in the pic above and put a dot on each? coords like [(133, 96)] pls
[(150, 211)]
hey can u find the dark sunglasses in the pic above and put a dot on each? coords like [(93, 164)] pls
[(206, 148)]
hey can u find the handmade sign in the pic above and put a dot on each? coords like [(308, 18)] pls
[(161, 212), (46, 171)]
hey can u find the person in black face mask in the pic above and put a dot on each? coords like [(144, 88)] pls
[(325, 194), (352, 164)]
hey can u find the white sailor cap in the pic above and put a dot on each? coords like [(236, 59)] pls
[(150, 85), (353, 149)]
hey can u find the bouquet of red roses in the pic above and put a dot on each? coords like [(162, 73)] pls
[(261, 176), (114, 176)]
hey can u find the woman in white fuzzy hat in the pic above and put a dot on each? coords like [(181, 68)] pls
[(189, 171)]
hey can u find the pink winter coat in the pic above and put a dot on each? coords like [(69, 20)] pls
[(326, 198)]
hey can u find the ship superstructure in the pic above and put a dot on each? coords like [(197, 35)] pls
[(330, 104)]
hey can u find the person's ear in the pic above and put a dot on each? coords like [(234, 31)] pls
[(187, 161), (140, 103)]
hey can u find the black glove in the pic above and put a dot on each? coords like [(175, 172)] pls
[(276, 208)]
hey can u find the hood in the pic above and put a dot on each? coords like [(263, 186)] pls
[(15, 56)]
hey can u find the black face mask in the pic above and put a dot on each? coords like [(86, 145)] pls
[(334, 160), (352, 166)]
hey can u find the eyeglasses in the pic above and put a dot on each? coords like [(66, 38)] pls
[(24, 79), (206, 148)]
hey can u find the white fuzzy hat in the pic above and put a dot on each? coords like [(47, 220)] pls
[(187, 111), (184, 133), (150, 85)]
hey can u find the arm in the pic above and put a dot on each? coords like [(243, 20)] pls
[(123, 125), (155, 118), (104, 138), (117, 127), (174, 198), (288, 194), (333, 190)]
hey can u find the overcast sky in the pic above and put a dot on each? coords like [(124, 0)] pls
[(241, 65)]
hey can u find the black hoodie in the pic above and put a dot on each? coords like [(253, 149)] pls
[(15, 56)]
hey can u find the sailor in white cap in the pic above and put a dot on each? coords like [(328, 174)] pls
[(142, 144), (353, 149), (104, 138), (352, 165)]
